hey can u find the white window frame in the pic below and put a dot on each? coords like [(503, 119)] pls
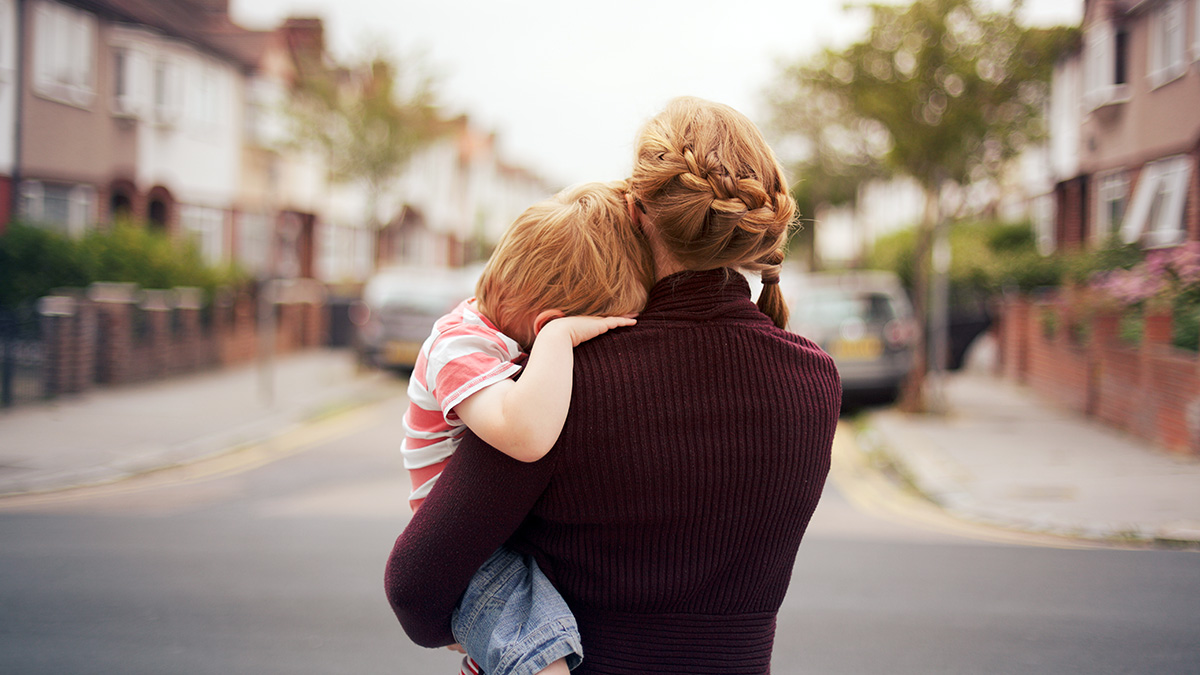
[(81, 202), (64, 58), (1156, 214), (32, 201), (1111, 186), (166, 91), (1042, 212), (1100, 85), (254, 241), (1196, 31), (135, 100), (1167, 45), (207, 225)]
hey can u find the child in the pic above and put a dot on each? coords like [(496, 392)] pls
[(565, 271)]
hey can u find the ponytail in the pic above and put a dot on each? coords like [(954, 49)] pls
[(770, 299)]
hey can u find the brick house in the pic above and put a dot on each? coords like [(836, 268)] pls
[(128, 108), (1125, 128)]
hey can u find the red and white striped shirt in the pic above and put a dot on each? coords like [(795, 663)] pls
[(464, 353)]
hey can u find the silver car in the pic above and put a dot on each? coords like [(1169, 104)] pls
[(863, 320), (398, 309)]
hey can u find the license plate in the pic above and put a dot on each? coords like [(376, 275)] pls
[(401, 353), (862, 349)]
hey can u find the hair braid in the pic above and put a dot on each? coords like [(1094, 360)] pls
[(713, 190)]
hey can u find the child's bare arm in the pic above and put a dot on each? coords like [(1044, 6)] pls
[(523, 418)]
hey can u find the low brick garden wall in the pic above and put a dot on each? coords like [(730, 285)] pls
[(1148, 388), (112, 334)]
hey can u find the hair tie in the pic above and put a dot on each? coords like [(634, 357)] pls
[(770, 276)]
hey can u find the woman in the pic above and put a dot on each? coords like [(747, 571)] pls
[(669, 513)]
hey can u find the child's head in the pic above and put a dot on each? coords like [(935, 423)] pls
[(577, 252), (713, 192)]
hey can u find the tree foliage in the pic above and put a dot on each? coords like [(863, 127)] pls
[(367, 119), (942, 91), (939, 90)]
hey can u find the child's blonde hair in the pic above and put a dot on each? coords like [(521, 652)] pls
[(714, 193), (578, 252)]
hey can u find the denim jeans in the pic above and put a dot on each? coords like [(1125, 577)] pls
[(512, 621)]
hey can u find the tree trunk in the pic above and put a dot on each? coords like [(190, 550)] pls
[(912, 392)]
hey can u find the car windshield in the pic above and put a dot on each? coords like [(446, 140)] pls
[(832, 307)]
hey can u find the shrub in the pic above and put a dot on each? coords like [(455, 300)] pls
[(34, 261), (985, 257)]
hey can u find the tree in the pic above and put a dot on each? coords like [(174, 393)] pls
[(367, 119), (942, 91)]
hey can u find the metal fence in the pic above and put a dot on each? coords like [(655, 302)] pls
[(22, 356)]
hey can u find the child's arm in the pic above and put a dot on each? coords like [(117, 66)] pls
[(523, 418)]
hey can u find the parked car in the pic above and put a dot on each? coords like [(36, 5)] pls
[(398, 308), (863, 320)]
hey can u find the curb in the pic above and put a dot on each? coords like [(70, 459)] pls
[(373, 389), (897, 450)]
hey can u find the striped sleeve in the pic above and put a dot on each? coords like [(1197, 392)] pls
[(465, 359)]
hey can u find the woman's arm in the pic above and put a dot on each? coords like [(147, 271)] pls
[(522, 418), (479, 501)]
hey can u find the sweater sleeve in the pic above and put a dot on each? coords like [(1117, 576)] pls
[(480, 500)]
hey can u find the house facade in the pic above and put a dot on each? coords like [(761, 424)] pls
[(127, 111), (1132, 92), (165, 112), (8, 105)]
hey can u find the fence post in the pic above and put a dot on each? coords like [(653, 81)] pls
[(114, 304), (56, 312)]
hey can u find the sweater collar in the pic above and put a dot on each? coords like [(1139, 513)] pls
[(705, 294)]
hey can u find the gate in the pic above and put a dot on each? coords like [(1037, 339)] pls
[(22, 356)]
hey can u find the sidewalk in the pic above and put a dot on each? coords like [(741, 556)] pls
[(109, 434), (1002, 456)]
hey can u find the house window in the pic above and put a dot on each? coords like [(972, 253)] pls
[(167, 91), (130, 79), (205, 97), (65, 208), (254, 242), (1167, 46), (206, 226), (1042, 212), (1121, 56), (1196, 32), (63, 62), (1106, 67), (1156, 214), (1112, 194)]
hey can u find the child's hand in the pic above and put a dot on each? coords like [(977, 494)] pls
[(583, 328)]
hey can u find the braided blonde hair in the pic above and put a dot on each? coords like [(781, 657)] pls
[(714, 193)]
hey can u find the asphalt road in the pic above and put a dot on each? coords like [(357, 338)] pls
[(270, 561)]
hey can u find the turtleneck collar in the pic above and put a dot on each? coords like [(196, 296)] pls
[(705, 294)]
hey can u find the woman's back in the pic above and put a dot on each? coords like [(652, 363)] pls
[(695, 452)]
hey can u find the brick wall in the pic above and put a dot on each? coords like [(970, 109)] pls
[(1150, 389), (117, 333)]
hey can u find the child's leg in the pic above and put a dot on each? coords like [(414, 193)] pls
[(512, 621), (559, 667)]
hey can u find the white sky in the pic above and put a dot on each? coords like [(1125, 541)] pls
[(567, 85)]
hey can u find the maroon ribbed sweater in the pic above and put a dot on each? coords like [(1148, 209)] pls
[(669, 513)]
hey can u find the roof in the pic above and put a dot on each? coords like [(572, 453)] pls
[(205, 23)]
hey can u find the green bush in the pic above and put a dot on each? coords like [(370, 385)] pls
[(985, 257), (34, 261)]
